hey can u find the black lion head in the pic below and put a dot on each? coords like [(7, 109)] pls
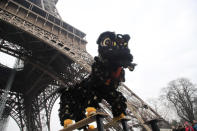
[(113, 48), (111, 40)]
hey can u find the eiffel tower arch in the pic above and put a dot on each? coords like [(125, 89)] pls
[(52, 55)]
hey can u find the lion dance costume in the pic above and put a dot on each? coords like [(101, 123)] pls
[(102, 83)]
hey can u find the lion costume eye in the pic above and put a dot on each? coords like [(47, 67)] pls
[(125, 43), (106, 42)]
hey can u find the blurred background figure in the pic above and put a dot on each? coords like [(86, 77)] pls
[(188, 127), (194, 125), (180, 128)]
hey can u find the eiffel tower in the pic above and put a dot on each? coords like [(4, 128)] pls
[(51, 54)]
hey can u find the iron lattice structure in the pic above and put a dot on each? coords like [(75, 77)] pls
[(53, 56)]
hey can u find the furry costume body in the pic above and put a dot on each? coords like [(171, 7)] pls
[(107, 73)]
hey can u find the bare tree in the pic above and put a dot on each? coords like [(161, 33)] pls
[(162, 107), (181, 94)]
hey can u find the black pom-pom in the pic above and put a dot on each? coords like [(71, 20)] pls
[(126, 37), (103, 35)]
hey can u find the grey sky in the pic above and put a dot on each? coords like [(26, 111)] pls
[(163, 37)]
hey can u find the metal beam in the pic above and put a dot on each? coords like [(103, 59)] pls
[(40, 77), (37, 65), (133, 110)]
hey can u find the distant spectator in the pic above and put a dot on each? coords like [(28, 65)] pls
[(173, 128), (188, 127), (195, 125), (181, 128)]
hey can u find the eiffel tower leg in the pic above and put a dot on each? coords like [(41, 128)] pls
[(124, 125), (32, 115), (99, 121), (154, 125), (19, 103), (28, 118), (7, 89), (46, 113)]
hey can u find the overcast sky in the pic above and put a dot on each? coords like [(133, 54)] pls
[(163, 38)]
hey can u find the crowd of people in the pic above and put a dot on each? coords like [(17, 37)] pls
[(186, 126)]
